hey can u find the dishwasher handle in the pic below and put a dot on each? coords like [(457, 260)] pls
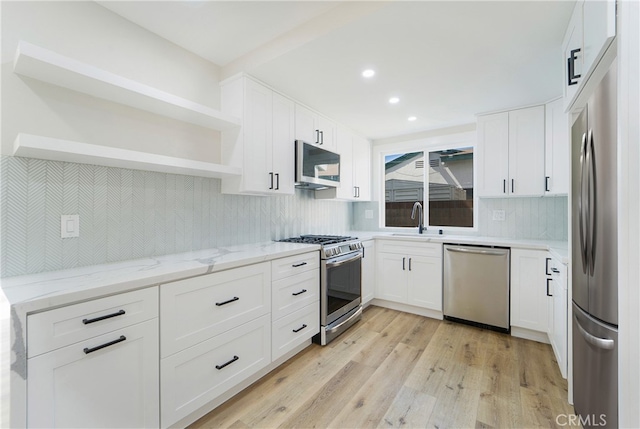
[(477, 251)]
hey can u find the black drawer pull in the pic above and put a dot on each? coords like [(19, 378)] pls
[(235, 358), (93, 349), (299, 293), (235, 298), (108, 316), (548, 294), (299, 265), (300, 328)]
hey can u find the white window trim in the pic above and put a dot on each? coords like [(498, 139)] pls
[(426, 145)]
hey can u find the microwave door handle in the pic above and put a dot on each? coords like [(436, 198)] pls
[(581, 204), (593, 203)]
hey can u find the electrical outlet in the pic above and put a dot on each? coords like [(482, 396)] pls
[(368, 214), (69, 226), (498, 215)]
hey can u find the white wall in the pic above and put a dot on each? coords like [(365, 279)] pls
[(90, 33)]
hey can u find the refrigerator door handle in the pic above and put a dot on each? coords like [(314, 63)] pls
[(593, 203), (601, 343), (581, 204)]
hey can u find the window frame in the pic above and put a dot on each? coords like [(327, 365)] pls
[(426, 145)]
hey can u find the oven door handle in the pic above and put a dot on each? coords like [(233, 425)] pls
[(336, 262), (344, 322)]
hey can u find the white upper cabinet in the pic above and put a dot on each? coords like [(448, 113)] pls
[(263, 147), (511, 153), (586, 43), (314, 128), (362, 168), (556, 153)]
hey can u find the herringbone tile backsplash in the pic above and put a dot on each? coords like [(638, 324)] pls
[(128, 214)]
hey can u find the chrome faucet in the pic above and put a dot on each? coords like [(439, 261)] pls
[(413, 216)]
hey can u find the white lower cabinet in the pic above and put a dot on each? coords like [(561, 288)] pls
[(558, 312), (368, 270), (410, 273), (529, 298), (108, 381), (199, 374), (294, 329)]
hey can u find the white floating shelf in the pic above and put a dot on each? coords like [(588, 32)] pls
[(31, 146), (48, 66)]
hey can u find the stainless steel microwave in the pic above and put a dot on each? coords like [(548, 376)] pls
[(316, 167)]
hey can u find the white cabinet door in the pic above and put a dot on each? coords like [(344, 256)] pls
[(493, 155), (257, 129), (558, 317), (306, 129), (362, 168), (327, 129), (425, 282), (599, 29), (572, 56), (283, 146), (526, 152), (391, 281), (368, 270), (557, 148), (116, 386), (529, 300), (346, 190)]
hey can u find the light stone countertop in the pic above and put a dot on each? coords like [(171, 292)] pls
[(558, 249)]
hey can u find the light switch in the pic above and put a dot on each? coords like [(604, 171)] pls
[(69, 226), (498, 215)]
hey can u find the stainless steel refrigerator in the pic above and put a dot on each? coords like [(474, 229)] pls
[(595, 258)]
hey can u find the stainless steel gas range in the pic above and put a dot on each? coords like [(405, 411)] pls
[(340, 283)]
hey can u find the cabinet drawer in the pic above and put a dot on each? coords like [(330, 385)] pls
[(196, 309), (294, 329), (63, 326), (409, 248), (285, 267), (292, 293), (199, 374), (115, 386)]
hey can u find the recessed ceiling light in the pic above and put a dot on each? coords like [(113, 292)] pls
[(411, 118), (368, 73), (394, 100)]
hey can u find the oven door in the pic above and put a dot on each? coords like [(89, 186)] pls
[(340, 286)]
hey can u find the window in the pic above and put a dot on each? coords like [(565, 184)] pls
[(448, 174)]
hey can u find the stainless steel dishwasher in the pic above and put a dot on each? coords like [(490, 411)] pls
[(476, 285)]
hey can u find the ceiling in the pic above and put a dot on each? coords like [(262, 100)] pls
[(445, 60)]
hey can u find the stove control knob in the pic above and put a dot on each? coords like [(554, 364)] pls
[(327, 253)]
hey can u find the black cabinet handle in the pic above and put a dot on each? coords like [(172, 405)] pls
[(546, 266), (546, 183), (555, 270), (299, 265), (300, 328), (110, 343), (548, 280), (317, 136), (299, 293), (108, 316), (513, 181), (403, 263), (504, 186), (277, 181), (235, 358), (355, 192), (235, 298), (271, 180), (571, 68), (321, 137), (409, 264)]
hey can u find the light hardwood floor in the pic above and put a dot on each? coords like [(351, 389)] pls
[(394, 369)]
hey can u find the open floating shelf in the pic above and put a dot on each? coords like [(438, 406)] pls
[(31, 146), (48, 66)]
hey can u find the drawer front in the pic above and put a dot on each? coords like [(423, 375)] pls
[(199, 374), (196, 309), (295, 329), (285, 267), (292, 293), (409, 248), (64, 326)]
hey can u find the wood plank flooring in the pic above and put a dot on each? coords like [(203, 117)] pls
[(394, 369)]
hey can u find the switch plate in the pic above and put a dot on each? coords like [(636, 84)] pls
[(498, 215), (69, 226), (368, 214)]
